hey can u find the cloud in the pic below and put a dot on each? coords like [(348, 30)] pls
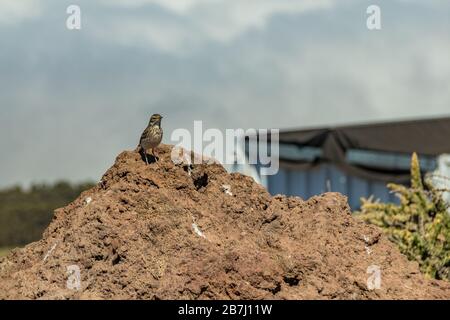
[(14, 11), (189, 24), (179, 6)]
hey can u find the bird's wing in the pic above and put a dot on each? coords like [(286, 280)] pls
[(143, 135)]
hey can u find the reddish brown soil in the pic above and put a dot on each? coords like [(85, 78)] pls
[(136, 240)]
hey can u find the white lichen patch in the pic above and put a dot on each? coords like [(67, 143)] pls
[(366, 240), (198, 231), (49, 252), (227, 189)]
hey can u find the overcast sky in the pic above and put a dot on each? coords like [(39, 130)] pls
[(71, 100)]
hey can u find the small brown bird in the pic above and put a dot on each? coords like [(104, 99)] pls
[(152, 136)]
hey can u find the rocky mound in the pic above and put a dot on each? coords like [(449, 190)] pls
[(166, 231)]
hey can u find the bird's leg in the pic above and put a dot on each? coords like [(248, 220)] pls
[(154, 154), (145, 154)]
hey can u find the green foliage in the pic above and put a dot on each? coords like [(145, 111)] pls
[(25, 214), (4, 251), (419, 225)]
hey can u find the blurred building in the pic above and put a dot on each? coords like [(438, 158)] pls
[(359, 160)]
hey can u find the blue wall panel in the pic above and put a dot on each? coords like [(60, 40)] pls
[(277, 183), (338, 180), (357, 188), (317, 180), (327, 178), (297, 183)]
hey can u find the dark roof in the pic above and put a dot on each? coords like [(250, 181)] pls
[(428, 137)]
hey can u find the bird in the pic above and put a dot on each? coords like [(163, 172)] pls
[(152, 136)]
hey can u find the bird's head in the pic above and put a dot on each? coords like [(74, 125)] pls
[(155, 120)]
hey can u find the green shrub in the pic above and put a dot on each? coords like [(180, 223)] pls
[(419, 225), (24, 214)]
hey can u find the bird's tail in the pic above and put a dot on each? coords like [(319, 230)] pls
[(138, 148)]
